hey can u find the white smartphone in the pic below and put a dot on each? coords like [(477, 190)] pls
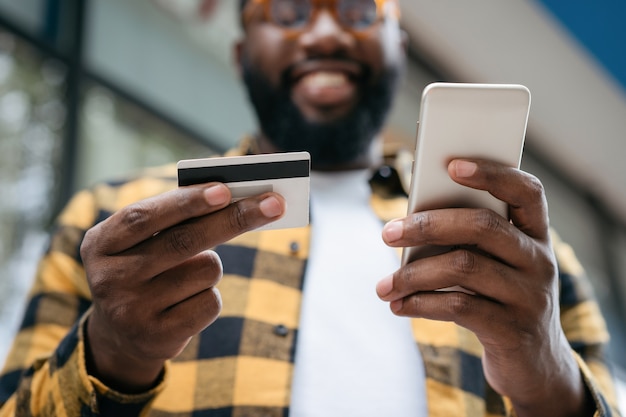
[(464, 120)]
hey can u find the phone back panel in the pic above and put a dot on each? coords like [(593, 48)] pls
[(486, 121)]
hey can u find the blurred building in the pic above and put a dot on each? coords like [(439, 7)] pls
[(93, 89)]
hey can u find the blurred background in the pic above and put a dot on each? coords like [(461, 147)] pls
[(94, 89)]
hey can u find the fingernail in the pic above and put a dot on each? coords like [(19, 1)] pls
[(464, 169), (384, 286), (216, 195), (396, 305), (392, 231), (271, 207)]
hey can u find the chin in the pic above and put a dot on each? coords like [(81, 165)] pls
[(333, 135)]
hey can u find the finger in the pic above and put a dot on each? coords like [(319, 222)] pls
[(480, 228), (186, 319), (194, 276), (146, 314), (523, 192), (244, 215), (165, 334), (142, 220), (480, 274), (178, 243), (489, 320)]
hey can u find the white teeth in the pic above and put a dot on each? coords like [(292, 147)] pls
[(326, 79)]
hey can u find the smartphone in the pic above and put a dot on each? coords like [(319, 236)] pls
[(464, 120)]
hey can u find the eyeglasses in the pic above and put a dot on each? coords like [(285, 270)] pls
[(295, 15)]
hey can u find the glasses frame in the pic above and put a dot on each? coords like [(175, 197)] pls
[(384, 9)]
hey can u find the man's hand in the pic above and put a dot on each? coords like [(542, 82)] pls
[(511, 269), (152, 277)]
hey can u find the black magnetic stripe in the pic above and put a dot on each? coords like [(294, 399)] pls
[(244, 172)]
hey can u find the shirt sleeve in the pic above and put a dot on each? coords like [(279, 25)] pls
[(585, 329), (45, 372)]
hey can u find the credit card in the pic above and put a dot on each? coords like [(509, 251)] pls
[(287, 174)]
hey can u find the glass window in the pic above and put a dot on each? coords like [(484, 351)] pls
[(32, 119), (142, 49), (27, 14), (118, 136)]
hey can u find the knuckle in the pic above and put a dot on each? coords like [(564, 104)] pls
[(209, 309), (464, 262), (212, 310), (487, 221), (216, 263), (135, 218), (217, 301), (87, 244), (238, 218), (424, 224), (101, 289), (412, 304), (401, 278), (459, 304), (212, 263), (180, 240), (106, 283), (545, 261), (535, 187)]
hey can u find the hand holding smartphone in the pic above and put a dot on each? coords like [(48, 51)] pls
[(462, 120)]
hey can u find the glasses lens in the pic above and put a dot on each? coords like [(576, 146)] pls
[(290, 13), (357, 14)]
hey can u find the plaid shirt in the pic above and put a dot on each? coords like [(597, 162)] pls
[(243, 363)]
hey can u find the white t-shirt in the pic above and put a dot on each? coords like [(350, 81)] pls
[(353, 356)]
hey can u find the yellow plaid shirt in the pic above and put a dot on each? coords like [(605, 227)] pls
[(243, 363)]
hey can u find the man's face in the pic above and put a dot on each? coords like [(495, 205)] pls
[(325, 89)]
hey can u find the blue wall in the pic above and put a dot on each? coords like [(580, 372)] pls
[(600, 26)]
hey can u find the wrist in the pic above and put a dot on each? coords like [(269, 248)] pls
[(577, 402), (562, 393), (115, 366)]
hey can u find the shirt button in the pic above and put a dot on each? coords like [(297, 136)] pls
[(294, 248), (385, 171), (281, 330)]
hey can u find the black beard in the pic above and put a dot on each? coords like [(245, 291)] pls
[(330, 144)]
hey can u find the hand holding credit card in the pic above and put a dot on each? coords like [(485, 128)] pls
[(284, 173)]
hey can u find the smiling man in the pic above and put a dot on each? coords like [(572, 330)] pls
[(316, 88), (154, 300)]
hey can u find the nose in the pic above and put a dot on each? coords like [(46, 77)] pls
[(325, 36)]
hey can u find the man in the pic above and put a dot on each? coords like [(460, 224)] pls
[(130, 268)]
